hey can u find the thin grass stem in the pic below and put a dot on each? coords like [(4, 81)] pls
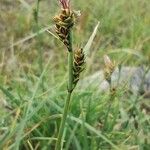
[(68, 99), (39, 48)]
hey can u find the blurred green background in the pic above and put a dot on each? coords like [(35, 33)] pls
[(124, 26), (33, 66)]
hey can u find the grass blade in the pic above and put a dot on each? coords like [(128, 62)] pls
[(90, 41)]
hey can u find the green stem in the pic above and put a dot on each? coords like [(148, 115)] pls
[(106, 117), (68, 99), (39, 41), (63, 121), (70, 71), (109, 106)]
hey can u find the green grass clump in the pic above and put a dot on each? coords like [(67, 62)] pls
[(33, 77)]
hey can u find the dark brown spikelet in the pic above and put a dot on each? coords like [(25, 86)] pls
[(78, 65), (64, 22)]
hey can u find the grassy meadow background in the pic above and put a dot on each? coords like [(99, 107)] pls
[(33, 76)]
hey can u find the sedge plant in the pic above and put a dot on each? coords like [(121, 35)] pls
[(109, 67), (64, 23)]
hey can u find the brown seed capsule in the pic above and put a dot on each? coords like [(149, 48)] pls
[(78, 64), (64, 22)]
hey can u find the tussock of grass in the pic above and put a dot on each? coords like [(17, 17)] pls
[(37, 108)]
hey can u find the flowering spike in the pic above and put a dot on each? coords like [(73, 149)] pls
[(109, 68), (64, 22), (65, 4), (78, 65)]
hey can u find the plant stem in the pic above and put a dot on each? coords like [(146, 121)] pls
[(70, 71), (39, 41), (63, 121), (111, 98), (68, 99)]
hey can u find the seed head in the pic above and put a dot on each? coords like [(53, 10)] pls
[(64, 22), (78, 65), (65, 4), (109, 68)]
